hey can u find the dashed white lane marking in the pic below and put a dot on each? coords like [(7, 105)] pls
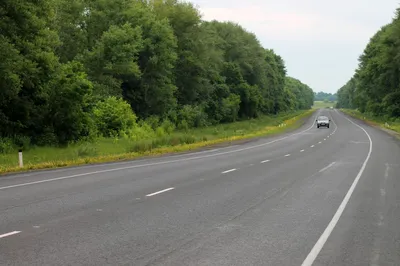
[(301, 150), (159, 163), (230, 170), (328, 230), (266, 161), (324, 139), (312, 146), (287, 155), (325, 168), (161, 191), (10, 234), (319, 142)]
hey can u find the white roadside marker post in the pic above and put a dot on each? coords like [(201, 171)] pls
[(20, 158)]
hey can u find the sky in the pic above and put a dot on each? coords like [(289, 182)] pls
[(319, 40)]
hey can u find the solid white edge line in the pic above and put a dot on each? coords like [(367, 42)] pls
[(265, 161), (161, 191), (328, 230), (228, 171), (10, 234), (159, 163)]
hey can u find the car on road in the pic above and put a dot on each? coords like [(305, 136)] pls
[(323, 121)]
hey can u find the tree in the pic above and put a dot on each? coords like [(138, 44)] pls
[(375, 86)]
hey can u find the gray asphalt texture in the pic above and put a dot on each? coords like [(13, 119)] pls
[(269, 213)]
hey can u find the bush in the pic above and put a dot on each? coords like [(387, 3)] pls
[(22, 142), (114, 117), (195, 116), (6, 146), (168, 126)]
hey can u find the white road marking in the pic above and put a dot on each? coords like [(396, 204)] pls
[(325, 168), (301, 150), (265, 161), (10, 234), (319, 142), (287, 155), (228, 171), (324, 139), (328, 230), (157, 163), (312, 146), (161, 191)]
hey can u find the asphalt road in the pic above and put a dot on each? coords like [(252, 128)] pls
[(309, 197)]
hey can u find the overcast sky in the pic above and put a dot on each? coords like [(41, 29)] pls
[(319, 40)]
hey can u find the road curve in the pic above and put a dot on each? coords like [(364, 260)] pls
[(309, 197)]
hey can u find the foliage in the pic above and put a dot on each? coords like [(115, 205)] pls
[(375, 87), (111, 149), (113, 116), (326, 97), (78, 70)]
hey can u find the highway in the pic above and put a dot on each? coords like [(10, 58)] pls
[(308, 197)]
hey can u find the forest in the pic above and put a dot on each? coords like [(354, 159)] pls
[(325, 96), (73, 70), (374, 88)]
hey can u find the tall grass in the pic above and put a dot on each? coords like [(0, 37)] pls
[(160, 141), (383, 122)]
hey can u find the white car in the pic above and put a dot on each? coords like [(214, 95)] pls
[(323, 121)]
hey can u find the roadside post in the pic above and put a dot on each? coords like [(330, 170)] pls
[(20, 158)]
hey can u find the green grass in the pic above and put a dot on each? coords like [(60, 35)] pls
[(322, 104), (374, 120), (105, 150)]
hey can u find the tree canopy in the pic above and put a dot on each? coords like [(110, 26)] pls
[(375, 85), (325, 96), (70, 68)]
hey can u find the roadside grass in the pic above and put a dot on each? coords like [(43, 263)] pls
[(108, 149), (322, 104), (374, 120)]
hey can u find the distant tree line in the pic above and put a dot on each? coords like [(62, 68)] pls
[(75, 69), (375, 86), (325, 96)]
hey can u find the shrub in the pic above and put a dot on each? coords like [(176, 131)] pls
[(6, 145), (114, 116)]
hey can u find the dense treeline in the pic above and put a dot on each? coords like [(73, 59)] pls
[(325, 96), (76, 69), (375, 86)]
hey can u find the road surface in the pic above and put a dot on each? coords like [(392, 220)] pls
[(309, 197)]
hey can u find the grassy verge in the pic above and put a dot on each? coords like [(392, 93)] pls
[(374, 121), (322, 104), (108, 150)]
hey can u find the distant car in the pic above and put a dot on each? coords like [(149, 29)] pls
[(323, 121)]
